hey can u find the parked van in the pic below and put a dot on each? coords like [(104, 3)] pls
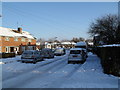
[(31, 56), (77, 55), (47, 53), (81, 45), (59, 51)]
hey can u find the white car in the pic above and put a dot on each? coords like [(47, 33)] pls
[(77, 55), (31, 56), (59, 51), (47, 53)]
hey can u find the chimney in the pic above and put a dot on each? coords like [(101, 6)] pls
[(20, 30)]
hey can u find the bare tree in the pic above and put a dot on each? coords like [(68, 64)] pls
[(107, 28)]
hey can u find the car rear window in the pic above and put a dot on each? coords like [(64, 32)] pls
[(75, 52)]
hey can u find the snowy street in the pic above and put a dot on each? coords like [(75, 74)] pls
[(56, 73)]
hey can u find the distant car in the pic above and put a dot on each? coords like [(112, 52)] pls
[(31, 56), (77, 55), (59, 51), (47, 53)]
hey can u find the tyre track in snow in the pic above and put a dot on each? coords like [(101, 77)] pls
[(55, 81), (56, 64), (33, 68), (59, 81)]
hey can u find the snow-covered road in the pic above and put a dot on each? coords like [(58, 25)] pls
[(56, 73)]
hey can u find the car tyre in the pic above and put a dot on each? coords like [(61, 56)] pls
[(34, 62), (23, 61)]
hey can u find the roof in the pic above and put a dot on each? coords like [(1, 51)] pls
[(68, 43), (9, 32)]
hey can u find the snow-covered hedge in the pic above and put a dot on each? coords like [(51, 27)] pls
[(110, 58)]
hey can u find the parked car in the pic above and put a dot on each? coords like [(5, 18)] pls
[(59, 51), (77, 55), (47, 53), (31, 56)]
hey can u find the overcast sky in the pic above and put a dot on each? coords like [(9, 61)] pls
[(55, 19)]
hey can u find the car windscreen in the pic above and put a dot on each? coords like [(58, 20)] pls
[(75, 52)]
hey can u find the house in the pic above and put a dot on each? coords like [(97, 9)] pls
[(16, 41), (60, 44)]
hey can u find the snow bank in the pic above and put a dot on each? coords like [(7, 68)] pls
[(111, 45)]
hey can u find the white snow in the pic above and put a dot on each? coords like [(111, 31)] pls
[(111, 45), (56, 73), (80, 44), (9, 32)]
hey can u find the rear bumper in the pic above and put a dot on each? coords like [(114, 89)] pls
[(27, 59)]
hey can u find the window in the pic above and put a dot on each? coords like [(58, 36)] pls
[(7, 38), (75, 52), (23, 40), (6, 49), (16, 39), (0, 39), (29, 40)]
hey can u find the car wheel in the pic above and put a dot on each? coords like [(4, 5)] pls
[(82, 61), (52, 56), (34, 62), (68, 62), (23, 62)]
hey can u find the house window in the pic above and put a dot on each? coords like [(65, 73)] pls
[(7, 38), (23, 40), (29, 40), (16, 39), (6, 49), (0, 39)]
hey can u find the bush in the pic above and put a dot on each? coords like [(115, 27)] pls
[(6, 55)]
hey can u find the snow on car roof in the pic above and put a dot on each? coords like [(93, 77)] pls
[(80, 44), (76, 49), (9, 32)]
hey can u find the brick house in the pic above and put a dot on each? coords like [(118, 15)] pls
[(16, 40)]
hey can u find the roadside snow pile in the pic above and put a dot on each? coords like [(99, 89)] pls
[(10, 60), (111, 45)]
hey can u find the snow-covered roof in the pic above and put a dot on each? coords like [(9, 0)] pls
[(9, 32), (80, 44), (68, 43)]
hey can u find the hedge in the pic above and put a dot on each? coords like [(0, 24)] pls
[(110, 59), (6, 55)]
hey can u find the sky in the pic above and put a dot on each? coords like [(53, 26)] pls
[(63, 20)]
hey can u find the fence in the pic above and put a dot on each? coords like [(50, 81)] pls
[(110, 59)]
